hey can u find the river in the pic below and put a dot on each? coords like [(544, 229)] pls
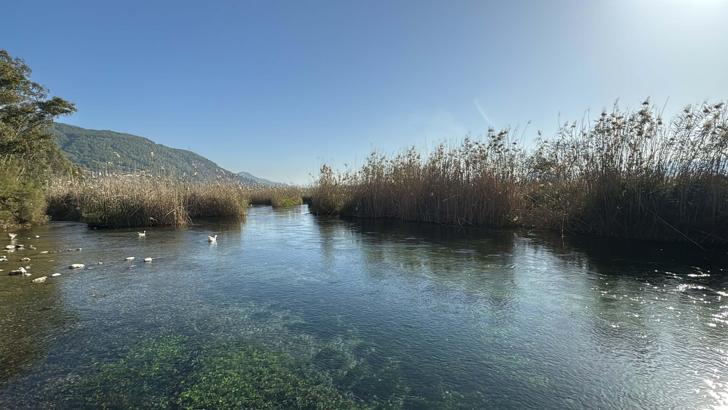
[(293, 310)]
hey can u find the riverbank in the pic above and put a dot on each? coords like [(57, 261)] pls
[(626, 175)]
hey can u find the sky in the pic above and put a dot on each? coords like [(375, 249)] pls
[(277, 88)]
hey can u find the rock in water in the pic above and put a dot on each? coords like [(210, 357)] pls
[(40, 280), (77, 266)]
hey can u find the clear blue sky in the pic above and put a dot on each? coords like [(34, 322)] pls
[(275, 88)]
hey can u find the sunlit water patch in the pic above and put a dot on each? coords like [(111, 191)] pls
[(293, 311)]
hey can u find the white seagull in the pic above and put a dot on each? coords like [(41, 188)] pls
[(212, 239), (142, 234)]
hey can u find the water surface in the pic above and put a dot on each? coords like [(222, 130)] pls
[(296, 310)]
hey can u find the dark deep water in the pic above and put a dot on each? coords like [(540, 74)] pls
[(359, 313)]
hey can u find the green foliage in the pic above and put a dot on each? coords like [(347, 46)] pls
[(284, 202), (21, 199), (276, 196), (28, 153)]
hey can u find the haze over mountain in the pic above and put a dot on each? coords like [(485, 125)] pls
[(104, 150)]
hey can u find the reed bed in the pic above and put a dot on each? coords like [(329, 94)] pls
[(220, 200), (628, 174), (142, 201), (276, 196)]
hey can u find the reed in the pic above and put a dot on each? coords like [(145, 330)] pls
[(628, 174), (476, 183), (140, 201), (275, 196), (219, 200), (633, 175)]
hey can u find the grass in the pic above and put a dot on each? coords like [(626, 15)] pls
[(628, 174)]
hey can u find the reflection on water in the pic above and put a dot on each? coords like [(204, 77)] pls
[(293, 309)]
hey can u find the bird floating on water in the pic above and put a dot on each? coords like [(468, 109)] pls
[(20, 271), (142, 234), (148, 259), (212, 239), (130, 258), (76, 266)]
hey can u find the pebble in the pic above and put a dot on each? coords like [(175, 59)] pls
[(56, 274), (40, 280)]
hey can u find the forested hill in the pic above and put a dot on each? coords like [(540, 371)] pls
[(99, 150)]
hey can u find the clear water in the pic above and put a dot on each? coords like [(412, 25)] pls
[(369, 314)]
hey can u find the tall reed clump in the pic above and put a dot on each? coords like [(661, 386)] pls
[(140, 201), (632, 175), (220, 200), (331, 194), (476, 183), (626, 175)]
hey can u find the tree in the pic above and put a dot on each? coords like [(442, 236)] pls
[(28, 152)]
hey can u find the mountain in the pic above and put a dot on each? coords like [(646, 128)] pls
[(247, 176), (103, 150)]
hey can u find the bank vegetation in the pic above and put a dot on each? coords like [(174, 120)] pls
[(625, 174)]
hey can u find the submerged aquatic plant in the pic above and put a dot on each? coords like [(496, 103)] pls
[(268, 361)]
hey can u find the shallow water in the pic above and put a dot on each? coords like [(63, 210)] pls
[(359, 313)]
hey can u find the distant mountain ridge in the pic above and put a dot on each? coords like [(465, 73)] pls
[(260, 181), (104, 150)]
